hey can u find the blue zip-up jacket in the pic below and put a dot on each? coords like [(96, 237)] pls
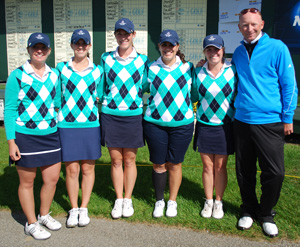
[(267, 89)]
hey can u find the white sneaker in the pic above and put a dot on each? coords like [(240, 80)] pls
[(207, 210), (72, 220), (127, 208), (218, 212), (116, 212), (245, 223), (159, 208), (270, 229), (36, 231), (84, 219), (171, 209), (49, 222)]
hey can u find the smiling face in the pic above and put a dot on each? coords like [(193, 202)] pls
[(214, 55), (124, 39), (168, 52), (81, 49), (250, 25), (39, 53)]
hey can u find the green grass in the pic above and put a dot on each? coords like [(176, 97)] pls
[(190, 199)]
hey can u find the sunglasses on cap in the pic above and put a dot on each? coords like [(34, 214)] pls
[(251, 10)]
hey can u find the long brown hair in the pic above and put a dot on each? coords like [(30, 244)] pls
[(181, 56)]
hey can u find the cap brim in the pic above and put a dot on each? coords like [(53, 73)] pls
[(217, 46), (39, 42), (171, 42), (74, 41), (125, 29)]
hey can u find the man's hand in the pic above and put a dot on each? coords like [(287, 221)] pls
[(288, 128)]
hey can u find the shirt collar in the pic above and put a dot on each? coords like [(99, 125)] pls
[(175, 65), (29, 70), (133, 54), (225, 65), (90, 65), (256, 39)]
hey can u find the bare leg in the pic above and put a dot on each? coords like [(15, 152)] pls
[(220, 169), (50, 175), (88, 180), (208, 174), (116, 155), (25, 192), (130, 171), (72, 183), (175, 178)]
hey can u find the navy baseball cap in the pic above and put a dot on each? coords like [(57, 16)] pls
[(81, 34), (36, 38), (124, 24), (213, 40), (169, 36)]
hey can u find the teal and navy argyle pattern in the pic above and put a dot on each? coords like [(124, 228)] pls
[(216, 96), (79, 103), (36, 101), (123, 86), (170, 103)]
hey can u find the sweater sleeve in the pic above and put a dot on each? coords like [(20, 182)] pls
[(288, 84), (57, 98), (100, 87), (12, 90), (145, 83), (194, 91)]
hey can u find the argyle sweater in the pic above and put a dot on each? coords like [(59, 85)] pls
[(122, 94), (29, 104), (169, 103), (79, 107), (215, 104)]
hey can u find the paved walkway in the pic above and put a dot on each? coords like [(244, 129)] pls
[(119, 233)]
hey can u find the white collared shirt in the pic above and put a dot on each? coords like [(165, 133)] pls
[(169, 68), (29, 70), (84, 72), (225, 65), (253, 41), (127, 60)]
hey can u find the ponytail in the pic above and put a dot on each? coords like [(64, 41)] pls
[(181, 56)]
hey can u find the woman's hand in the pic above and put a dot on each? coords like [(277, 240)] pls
[(200, 63), (14, 152)]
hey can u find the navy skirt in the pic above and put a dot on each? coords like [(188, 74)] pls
[(37, 150), (121, 131), (80, 143), (214, 139)]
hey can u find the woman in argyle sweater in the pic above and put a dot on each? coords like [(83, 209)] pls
[(216, 82), (78, 124), (169, 119), (32, 92), (121, 113)]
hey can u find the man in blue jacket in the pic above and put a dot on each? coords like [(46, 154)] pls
[(265, 104)]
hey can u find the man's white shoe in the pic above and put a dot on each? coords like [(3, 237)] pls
[(270, 229), (84, 218), (127, 208), (171, 209), (159, 209), (36, 231), (218, 212), (245, 223), (49, 222), (116, 212), (72, 220), (208, 208)]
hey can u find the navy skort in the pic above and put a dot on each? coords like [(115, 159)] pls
[(214, 139), (167, 144)]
